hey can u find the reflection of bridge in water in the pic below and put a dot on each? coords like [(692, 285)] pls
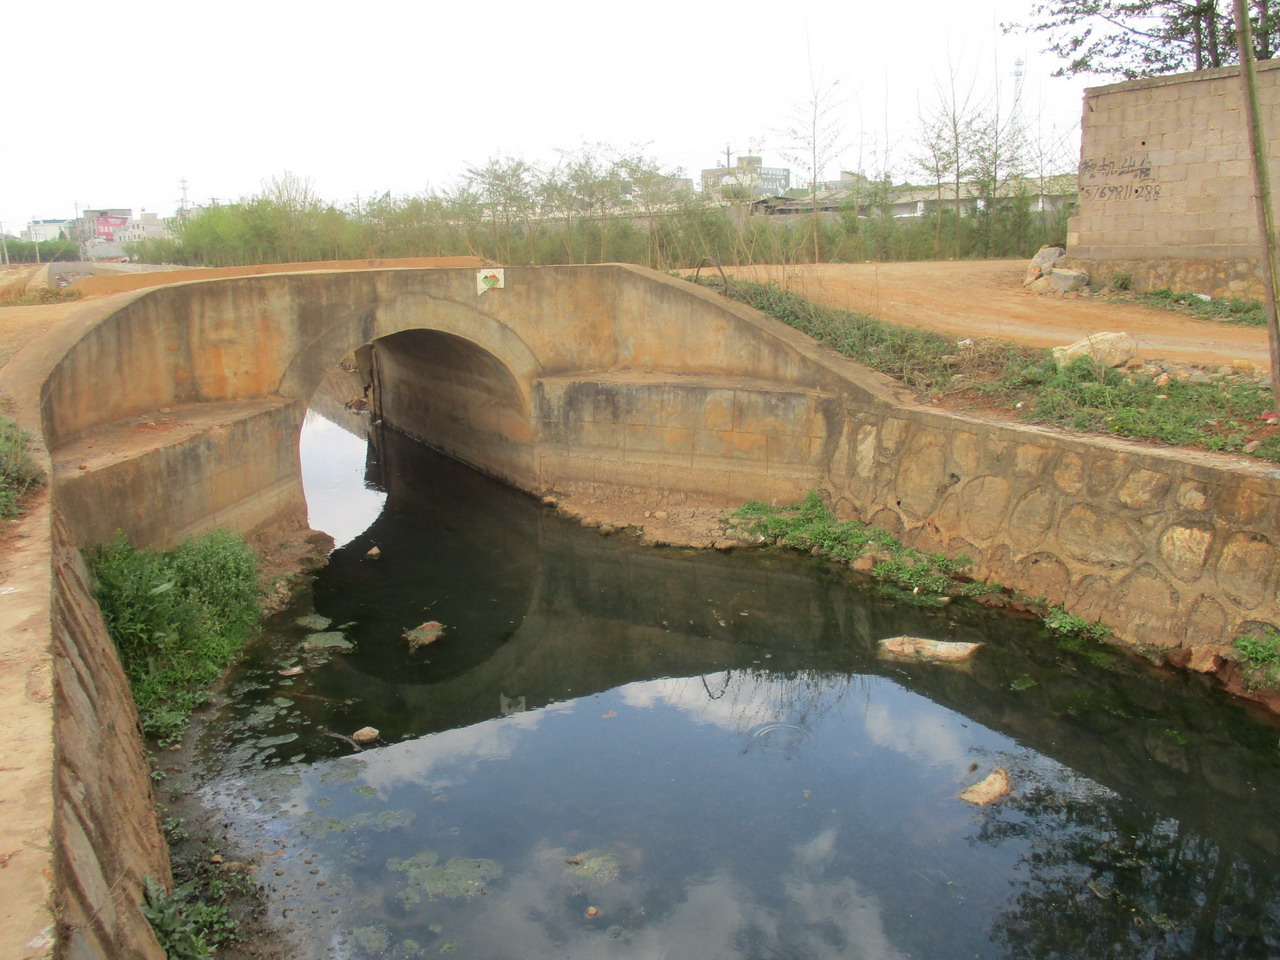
[(567, 590)]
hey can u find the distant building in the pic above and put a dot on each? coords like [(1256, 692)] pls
[(101, 233), (38, 231), (868, 198), (148, 226), (749, 180)]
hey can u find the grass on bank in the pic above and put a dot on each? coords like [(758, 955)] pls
[(1260, 657), (1222, 411), (178, 618), (18, 472), (43, 295), (810, 527), (1250, 313)]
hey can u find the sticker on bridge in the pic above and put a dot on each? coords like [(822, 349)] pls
[(489, 279)]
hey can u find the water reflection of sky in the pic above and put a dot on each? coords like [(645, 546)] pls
[(333, 463), (809, 788)]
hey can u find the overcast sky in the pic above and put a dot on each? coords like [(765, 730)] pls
[(114, 104)]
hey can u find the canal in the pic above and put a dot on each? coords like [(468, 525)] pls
[(624, 751)]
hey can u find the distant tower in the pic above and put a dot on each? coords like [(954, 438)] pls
[(1019, 74)]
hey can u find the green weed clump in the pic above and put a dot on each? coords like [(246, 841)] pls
[(810, 527), (178, 619), (1058, 621), (1261, 659), (18, 472), (1229, 309), (187, 927)]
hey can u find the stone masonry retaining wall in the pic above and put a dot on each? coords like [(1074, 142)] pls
[(1166, 183), (1170, 548)]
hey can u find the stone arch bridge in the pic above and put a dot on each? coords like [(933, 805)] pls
[(616, 380), (177, 409)]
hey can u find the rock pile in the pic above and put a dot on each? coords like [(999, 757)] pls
[(1045, 276)]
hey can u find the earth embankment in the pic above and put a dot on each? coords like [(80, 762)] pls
[(985, 298)]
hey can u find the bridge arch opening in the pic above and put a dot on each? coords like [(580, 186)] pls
[(454, 395)]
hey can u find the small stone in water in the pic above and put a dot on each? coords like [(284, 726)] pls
[(365, 735), (425, 634), (374, 553), (592, 912), (289, 671)]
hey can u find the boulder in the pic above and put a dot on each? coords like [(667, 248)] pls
[(1059, 280), (365, 735), (986, 791), (1110, 349), (919, 650), (1044, 260)]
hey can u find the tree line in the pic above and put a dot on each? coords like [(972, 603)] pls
[(602, 205)]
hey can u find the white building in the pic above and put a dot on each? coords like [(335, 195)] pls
[(748, 180), (38, 231), (148, 226)]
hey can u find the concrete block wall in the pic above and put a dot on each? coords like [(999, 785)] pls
[(1166, 183)]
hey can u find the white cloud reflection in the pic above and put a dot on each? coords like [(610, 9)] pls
[(333, 463)]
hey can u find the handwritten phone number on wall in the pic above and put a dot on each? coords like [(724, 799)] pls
[(1122, 191)]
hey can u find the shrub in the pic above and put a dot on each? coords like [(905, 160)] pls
[(178, 619), (18, 472)]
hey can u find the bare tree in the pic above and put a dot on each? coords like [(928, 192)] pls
[(814, 139)]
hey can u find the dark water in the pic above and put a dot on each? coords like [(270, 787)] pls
[(656, 753)]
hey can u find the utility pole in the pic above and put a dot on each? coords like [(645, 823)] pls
[(1262, 190)]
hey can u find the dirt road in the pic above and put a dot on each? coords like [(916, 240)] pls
[(985, 298)]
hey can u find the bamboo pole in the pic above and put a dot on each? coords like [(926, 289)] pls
[(1262, 190)]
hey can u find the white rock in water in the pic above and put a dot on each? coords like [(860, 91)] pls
[(365, 735), (986, 791), (374, 553), (929, 651)]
